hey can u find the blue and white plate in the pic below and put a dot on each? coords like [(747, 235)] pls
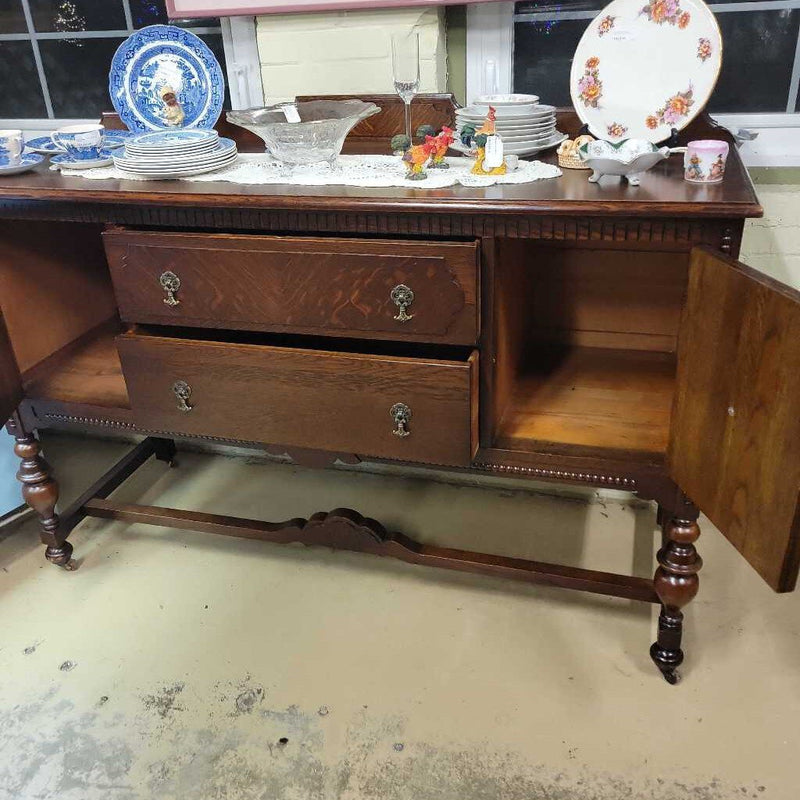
[(164, 77), (65, 161), (158, 140), (46, 146), (29, 161)]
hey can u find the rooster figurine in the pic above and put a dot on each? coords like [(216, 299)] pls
[(439, 146), (415, 159), (481, 137)]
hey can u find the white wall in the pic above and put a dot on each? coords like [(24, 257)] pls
[(772, 244), (346, 52)]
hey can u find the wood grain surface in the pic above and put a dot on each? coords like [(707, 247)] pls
[(10, 382), (735, 440), (327, 400), (54, 285), (590, 397), (335, 287)]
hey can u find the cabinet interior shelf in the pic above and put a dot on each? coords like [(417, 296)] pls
[(573, 396), (86, 371), (590, 397)]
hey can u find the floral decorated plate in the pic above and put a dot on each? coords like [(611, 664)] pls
[(165, 77), (644, 67)]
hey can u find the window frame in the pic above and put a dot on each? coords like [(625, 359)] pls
[(242, 64), (768, 139)]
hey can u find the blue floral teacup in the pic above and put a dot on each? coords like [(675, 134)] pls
[(11, 146), (82, 142)]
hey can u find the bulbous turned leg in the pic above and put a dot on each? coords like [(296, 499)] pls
[(676, 584), (40, 492)]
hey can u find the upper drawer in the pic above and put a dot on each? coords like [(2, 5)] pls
[(408, 409), (339, 287)]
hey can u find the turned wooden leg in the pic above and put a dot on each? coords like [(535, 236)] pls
[(40, 492), (676, 583)]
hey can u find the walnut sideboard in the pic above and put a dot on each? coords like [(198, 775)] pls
[(564, 331)]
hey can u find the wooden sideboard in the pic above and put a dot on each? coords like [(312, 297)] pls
[(564, 331)]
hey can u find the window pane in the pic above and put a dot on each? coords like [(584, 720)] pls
[(148, 12), (154, 12), (21, 95), (77, 15), (12, 19), (556, 7), (77, 75), (543, 56), (757, 62)]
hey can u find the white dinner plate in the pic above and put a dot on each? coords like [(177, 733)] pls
[(643, 68), (519, 130), (527, 137), (185, 174), (501, 100), (224, 147), (181, 169), (520, 149), (477, 112)]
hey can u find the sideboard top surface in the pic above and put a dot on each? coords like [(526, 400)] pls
[(663, 193)]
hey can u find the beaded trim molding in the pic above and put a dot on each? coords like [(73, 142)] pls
[(541, 472), (503, 469)]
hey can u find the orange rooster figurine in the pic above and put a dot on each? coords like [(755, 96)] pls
[(482, 136), (415, 159), (439, 146)]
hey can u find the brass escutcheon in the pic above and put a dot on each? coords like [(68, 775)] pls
[(401, 414), (402, 296), (170, 283), (182, 392)]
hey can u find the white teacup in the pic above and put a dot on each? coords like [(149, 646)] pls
[(82, 142), (11, 146)]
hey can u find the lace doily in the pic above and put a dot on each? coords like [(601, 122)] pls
[(369, 171)]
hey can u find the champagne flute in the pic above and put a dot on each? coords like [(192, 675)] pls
[(405, 65)]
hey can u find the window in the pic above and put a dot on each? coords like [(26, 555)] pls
[(757, 88), (55, 55)]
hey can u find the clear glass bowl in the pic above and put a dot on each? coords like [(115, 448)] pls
[(319, 136)]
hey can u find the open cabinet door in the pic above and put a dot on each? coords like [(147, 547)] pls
[(10, 382), (735, 437)]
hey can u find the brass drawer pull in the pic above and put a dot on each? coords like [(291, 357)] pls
[(170, 283), (401, 414), (182, 392), (402, 296)]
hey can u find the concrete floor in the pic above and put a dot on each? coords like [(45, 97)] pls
[(180, 665)]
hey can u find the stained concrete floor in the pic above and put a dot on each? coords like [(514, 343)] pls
[(174, 664)]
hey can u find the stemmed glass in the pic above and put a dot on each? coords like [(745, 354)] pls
[(405, 66)]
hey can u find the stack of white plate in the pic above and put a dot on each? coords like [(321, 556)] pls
[(525, 126), (176, 154)]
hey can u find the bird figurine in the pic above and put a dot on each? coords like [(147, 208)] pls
[(485, 135), (416, 159), (439, 146)]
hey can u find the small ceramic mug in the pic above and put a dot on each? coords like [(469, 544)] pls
[(704, 161), (82, 142), (11, 146)]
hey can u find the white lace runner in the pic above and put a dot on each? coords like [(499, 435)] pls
[(368, 171)]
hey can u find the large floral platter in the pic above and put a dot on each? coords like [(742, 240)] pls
[(644, 67), (165, 77)]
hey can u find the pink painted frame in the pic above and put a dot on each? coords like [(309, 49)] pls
[(177, 9)]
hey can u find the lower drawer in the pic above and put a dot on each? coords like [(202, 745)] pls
[(408, 409)]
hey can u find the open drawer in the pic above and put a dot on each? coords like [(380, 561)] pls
[(406, 409), (414, 291)]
